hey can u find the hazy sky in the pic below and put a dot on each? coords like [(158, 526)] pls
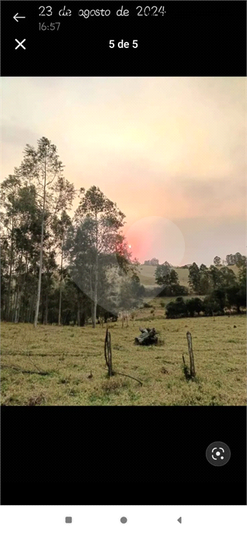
[(171, 152)]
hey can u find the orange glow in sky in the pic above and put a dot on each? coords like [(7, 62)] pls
[(170, 152), (156, 237)]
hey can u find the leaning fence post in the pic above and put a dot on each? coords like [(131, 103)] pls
[(192, 363), (108, 352)]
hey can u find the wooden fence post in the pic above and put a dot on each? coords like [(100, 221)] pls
[(108, 352), (192, 363)]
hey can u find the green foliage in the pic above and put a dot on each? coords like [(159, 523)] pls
[(213, 304), (217, 261), (162, 274), (167, 277), (194, 278), (176, 309), (236, 258), (202, 280), (242, 272), (194, 306)]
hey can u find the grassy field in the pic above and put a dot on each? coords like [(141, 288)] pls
[(70, 355)]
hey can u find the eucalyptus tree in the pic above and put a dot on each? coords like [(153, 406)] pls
[(9, 220), (43, 168), (162, 274), (194, 278), (60, 226), (102, 223)]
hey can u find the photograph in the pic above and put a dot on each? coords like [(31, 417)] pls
[(123, 241)]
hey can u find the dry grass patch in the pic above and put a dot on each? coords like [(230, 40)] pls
[(73, 360)]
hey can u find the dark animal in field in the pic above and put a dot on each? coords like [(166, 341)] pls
[(147, 337)]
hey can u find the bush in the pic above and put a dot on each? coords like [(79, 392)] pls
[(211, 306), (173, 291), (183, 290), (171, 311), (194, 305), (176, 309)]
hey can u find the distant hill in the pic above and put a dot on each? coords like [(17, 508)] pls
[(147, 274)]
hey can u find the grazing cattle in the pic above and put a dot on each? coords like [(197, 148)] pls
[(101, 321), (230, 311), (106, 317), (124, 317)]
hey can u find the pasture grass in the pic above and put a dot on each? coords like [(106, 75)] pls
[(74, 370)]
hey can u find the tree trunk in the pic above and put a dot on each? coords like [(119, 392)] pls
[(60, 289), (13, 309), (78, 311), (41, 253), (17, 306), (95, 300), (83, 319), (10, 276), (91, 295), (46, 308), (40, 273)]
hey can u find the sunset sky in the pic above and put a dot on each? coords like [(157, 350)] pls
[(171, 152)]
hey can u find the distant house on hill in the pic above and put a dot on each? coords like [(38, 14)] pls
[(153, 262)]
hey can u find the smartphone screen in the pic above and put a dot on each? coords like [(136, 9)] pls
[(123, 267)]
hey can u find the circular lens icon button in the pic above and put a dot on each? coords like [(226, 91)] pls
[(218, 453)]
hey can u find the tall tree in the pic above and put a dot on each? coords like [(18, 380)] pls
[(242, 273), (162, 273), (194, 278), (60, 226), (204, 280), (9, 212), (106, 222), (230, 259), (228, 277), (215, 277), (43, 167)]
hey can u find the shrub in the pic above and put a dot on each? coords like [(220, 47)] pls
[(176, 309), (194, 305)]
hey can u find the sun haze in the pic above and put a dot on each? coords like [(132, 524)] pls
[(165, 148)]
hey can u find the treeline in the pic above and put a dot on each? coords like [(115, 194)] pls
[(56, 268), (223, 291), (62, 268), (230, 260)]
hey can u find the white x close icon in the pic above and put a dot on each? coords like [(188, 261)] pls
[(20, 44)]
